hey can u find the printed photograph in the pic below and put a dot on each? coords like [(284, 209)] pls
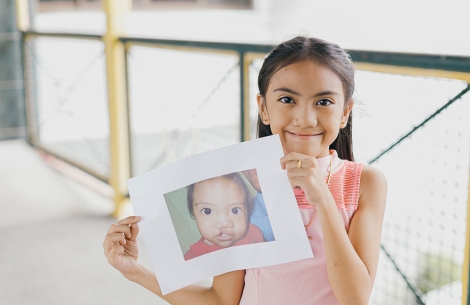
[(220, 212)]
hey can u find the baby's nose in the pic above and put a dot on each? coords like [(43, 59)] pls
[(224, 222)]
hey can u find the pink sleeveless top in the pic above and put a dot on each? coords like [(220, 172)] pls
[(306, 281)]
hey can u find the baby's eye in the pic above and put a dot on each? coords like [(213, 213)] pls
[(206, 211), (236, 211), (286, 100), (324, 102)]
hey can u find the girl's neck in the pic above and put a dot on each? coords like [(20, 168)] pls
[(324, 154)]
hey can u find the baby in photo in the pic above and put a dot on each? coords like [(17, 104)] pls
[(222, 207)]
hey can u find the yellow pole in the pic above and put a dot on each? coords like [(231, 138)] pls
[(117, 99), (246, 60), (466, 264), (22, 15), (245, 65)]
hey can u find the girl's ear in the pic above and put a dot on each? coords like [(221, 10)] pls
[(263, 111), (346, 111)]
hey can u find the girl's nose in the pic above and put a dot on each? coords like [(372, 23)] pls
[(305, 117)]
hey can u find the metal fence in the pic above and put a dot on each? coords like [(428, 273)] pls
[(67, 100), (412, 121)]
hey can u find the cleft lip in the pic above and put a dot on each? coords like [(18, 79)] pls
[(225, 236)]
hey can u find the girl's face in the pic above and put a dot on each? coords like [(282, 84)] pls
[(220, 211), (305, 106)]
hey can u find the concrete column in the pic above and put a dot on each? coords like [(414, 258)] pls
[(12, 103)]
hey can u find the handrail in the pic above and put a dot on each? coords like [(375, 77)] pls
[(227, 46), (64, 35), (415, 60)]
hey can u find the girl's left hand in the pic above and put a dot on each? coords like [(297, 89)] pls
[(308, 177)]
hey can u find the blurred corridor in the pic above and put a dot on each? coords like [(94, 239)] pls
[(51, 230)]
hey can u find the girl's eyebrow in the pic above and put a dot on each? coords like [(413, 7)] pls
[(287, 90), (327, 92)]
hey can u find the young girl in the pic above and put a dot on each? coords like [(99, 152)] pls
[(221, 207), (305, 96)]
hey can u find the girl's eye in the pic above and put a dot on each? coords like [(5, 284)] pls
[(324, 102), (206, 211), (286, 100), (236, 211)]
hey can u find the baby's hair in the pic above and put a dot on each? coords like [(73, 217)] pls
[(234, 177), (323, 53)]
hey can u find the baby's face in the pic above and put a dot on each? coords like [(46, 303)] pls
[(220, 211)]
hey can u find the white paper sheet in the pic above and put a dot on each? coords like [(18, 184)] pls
[(159, 196)]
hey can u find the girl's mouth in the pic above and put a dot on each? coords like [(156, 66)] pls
[(303, 135)]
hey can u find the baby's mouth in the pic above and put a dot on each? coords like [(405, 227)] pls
[(224, 236)]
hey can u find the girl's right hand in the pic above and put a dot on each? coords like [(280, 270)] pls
[(120, 246)]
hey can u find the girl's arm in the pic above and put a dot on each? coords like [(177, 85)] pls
[(352, 257), (226, 289), (120, 248)]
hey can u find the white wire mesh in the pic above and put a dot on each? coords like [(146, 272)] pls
[(67, 91)]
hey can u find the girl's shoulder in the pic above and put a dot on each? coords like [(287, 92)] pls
[(371, 174), (373, 184)]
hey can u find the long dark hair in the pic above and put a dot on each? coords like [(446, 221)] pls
[(321, 52)]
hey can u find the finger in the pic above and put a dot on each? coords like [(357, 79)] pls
[(292, 157), (119, 228), (304, 163), (114, 252), (134, 232), (129, 220), (108, 245), (111, 239), (294, 164), (297, 172), (114, 237), (117, 249)]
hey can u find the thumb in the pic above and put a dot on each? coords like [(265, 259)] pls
[(134, 232)]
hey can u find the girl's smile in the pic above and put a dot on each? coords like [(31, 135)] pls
[(303, 135), (304, 104)]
